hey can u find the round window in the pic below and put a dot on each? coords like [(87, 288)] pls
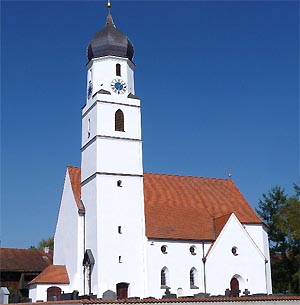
[(234, 251), (164, 249), (193, 250)]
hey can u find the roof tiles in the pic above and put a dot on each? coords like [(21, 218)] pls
[(75, 176), (186, 207), (24, 260), (54, 274)]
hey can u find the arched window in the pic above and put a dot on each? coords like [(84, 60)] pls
[(193, 278), (118, 69), (119, 120), (164, 277)]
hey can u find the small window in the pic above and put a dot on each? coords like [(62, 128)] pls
[(119, 183), (118, 69), (164, 249), (119, 120), (89, 128), (164, 277), (119, 229), (193, 278), (234, 251), (193, 250), (120, 259)]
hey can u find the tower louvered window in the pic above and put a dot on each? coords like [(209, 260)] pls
[(118, 69), (119, 120)]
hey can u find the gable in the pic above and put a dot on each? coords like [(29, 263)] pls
[(233, 234), (185, 207)]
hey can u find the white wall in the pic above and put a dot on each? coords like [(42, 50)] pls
[(103, 80), (38, 292), (179, 262), (248, 266), (68, 238), (120, 206), (109, 156), (260, 235)]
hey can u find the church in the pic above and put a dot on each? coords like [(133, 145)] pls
[(123, 233)]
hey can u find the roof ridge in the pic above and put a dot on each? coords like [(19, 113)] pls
[(190, 176), (71, 166), (172, 175)]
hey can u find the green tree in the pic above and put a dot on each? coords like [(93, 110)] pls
[(46, 243), (268, 209), (282, 213), (289, 224)]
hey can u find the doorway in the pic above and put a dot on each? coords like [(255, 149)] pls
[(53, 293), (234, 287), (122, 291)]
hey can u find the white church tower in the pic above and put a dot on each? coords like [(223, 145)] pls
[(111, 168)]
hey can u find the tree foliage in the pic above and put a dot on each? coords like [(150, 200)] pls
[(44, 243), (282, 215)]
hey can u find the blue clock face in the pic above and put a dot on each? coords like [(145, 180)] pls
[(118, 86)]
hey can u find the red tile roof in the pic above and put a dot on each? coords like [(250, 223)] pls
[(22, 260), (220, 223), (185, 207), (54, 274), (75, 177)]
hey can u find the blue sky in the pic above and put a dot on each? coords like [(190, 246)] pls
[(218, 80)]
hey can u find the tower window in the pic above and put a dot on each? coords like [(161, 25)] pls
[(89, 128), (119, 183), (119, 120), (120, 259), (119, 229), (118, 69)]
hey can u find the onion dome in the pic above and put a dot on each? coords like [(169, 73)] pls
[(110, 41)]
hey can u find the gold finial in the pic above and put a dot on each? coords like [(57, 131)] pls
[(108, 4)]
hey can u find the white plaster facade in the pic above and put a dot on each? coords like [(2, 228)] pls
[(69, 237), (38, 292), (113, 225)]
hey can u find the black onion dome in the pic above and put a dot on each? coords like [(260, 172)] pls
[(110, 41)]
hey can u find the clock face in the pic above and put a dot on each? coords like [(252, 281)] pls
[(118, 86), (90, 90)]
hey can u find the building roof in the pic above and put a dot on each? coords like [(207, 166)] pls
[(74, 173), (186, 207), (110, 41), (54, 274), (24, 260)]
